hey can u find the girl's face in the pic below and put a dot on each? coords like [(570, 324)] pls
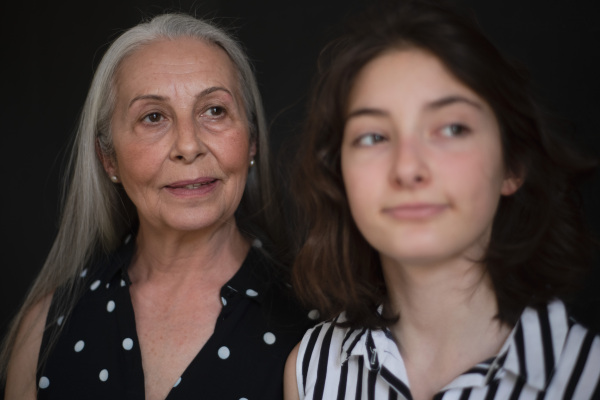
[(421, 161)]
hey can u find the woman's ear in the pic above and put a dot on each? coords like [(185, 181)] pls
[(107, 162), (252, 149)]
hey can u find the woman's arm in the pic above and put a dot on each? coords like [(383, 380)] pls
[(21, 371), (290, 384)]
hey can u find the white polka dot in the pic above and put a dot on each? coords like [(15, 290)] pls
[(95, 285), (83, 273), (269, 338), (223, 301), (110, 306), (44, 382), (60, 320), (127, 343), (251, 293), (224, 353), (257, 243), (177, 383), (103, 375), (79, 346), (314, 314), (122, 283), (107, 285)]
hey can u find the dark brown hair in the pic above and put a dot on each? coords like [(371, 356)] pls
[(539, 246)]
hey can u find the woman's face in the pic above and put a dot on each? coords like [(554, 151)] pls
[(181, 140), (421, 161)]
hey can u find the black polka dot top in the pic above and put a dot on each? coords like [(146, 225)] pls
[(97, 355)]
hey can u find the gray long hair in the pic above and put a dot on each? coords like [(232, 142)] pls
[(96, 213)]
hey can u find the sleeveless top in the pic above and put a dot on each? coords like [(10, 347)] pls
[(546, 356), (97, 355)]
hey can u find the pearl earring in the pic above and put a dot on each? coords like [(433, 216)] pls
[(114, 178), (252, 162)]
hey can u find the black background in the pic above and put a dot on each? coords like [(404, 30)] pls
[(50, 50)]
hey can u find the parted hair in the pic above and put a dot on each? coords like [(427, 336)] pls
[(96, 213), (539, 247)]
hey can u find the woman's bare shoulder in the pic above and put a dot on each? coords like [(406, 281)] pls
[(22, 366)]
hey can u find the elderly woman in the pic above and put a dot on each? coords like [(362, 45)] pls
[(157, 285)]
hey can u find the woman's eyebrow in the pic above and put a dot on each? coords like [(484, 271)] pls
[(147, 97), (156, 97), (213, 89)]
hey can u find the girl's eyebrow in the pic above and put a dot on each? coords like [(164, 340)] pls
[(375, 112), (446, 101), (431, 106)]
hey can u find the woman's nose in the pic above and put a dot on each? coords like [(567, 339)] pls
[(188, 144)]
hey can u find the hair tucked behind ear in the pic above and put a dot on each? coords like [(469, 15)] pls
[(539, 248)]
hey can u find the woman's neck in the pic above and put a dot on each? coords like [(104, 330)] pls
[(179, 255), (447, 320)]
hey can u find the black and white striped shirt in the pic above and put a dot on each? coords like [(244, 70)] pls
[(546, 356)]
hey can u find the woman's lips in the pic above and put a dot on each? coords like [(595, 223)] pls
[(192, 188), (415, 211)]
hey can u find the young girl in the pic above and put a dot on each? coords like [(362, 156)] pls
[(442, 228)]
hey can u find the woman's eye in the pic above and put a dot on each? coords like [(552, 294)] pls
[(215, 111), (153, 118), (454, 130), (369, 139)]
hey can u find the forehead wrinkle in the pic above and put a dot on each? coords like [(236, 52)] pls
[(189, 64)]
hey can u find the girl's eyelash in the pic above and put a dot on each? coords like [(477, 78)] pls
[(369, 139), (455, 129)]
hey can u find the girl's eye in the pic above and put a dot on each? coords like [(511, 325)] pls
[(153, 118), (454, 130), (369, 139), (215, 111)]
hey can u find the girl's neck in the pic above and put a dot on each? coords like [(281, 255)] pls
[(427, 295), (447, 319)]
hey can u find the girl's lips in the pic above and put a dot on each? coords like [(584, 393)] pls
[(415, 211)]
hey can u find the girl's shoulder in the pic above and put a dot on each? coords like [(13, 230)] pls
[(551, 352), (327, 335), (325, 348)]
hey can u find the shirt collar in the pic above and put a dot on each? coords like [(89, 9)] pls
[(119, 261), (251, 280), (378, 349), (534, 346), (520, 355)]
